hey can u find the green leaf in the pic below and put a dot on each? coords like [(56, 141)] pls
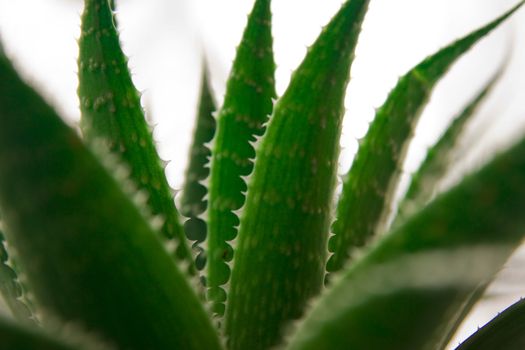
[(88, 254), (111, 111), (11, 289), (505, 331), (368, 187), (15, 336), (434, 168), (406, 292), (247, 105), (439, 157), (281, 252), (193, 202)]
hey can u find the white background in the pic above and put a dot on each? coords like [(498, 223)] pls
[(165, 40)]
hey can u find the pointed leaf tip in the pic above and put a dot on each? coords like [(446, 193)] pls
[(193, 202), (440, 156), (111, 110), (243, 116), (364, 207), (281, 251)]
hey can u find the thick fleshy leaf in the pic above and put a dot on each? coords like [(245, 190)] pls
[(193, 202), (247, 105), (406, 292), (505, 331), (368, 187), (440, 156), (281, 252), (111, 111), (88, 254), (432, 170)]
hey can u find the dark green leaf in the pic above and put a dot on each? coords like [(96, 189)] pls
[(88, 254), (505, 331)]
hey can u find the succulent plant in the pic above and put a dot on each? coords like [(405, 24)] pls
[(95, 254)]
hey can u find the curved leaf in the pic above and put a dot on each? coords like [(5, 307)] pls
[(406, 292), (111, 111), (247, 105), (281, 253), (87, 252), (505, 331), (364, 206), (439, 157), (432, 170)]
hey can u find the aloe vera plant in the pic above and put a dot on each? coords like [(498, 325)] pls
[(95, 254)]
